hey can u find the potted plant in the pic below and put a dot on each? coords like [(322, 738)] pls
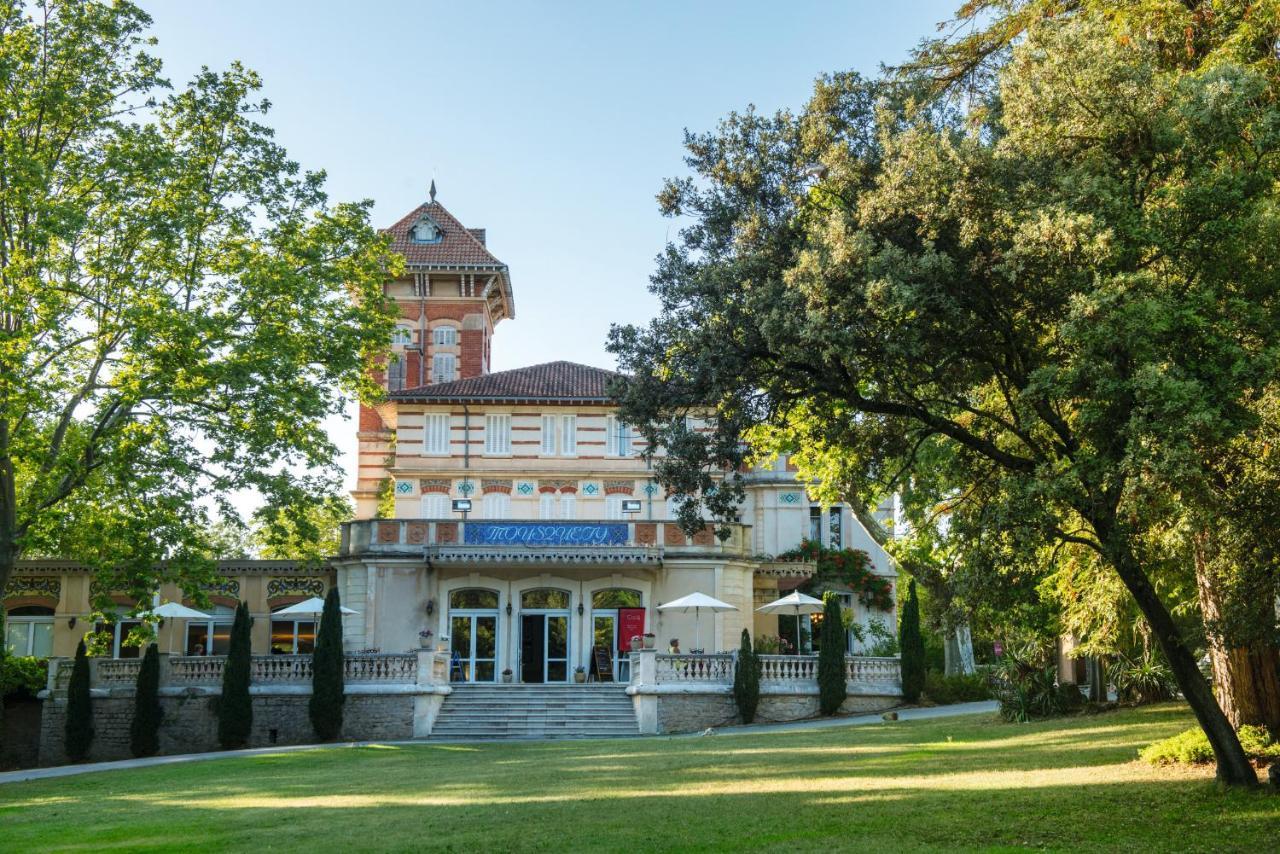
[(637, 643), (650, 640), (424, 638), (580, 674), (506, 675), (442, 643)]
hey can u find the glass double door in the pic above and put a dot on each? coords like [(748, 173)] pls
[(473, 643), (604, 625), (544, 646)]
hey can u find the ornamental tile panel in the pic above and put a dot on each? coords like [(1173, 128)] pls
[(446, 532), (672, 535), (433, 484), (33, 585), (705, 537), (619, 487), (295, 587), (223, 587), (646, 533), (417, 533), (388, 532), (488, 485)]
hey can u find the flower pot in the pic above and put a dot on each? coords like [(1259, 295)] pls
[(506, 677), (637, 643), (650, 641), (425, 643), (579, 676)]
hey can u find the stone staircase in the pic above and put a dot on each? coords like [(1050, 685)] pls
[(535, 711)]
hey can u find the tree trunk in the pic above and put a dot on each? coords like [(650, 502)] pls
[(959, 650), (1233, 768), (1246, 677)]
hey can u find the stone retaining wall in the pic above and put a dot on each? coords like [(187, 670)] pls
[(190, 723), (691, 712)]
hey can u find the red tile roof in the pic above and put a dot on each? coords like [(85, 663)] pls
[(553, 381)]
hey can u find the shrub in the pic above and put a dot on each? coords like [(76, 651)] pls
[(327, 694), (768, 645), (912, 645), (22, 675), (79, 725), (1026, 684), (831, 681), (235, 707), (144, 730), (883, 642), (746, 680), (1141, 681), (1192, 747), (960, 688)]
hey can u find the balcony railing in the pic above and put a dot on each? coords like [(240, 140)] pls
[(206, 670), (779, 672)]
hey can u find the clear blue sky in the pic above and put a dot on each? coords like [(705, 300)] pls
[(550, 124)]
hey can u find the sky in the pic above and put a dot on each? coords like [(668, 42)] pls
[(552, 125)]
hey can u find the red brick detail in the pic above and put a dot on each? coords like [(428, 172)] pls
[(426, 486), (30, 602), (417, 533), (472, 362), (705, 537), (550, 489), (388, 532), (446, 532), (370, 420), (504, 488), (672, 535), (619, 487), (455, 311), (569, 489), (646, 533)]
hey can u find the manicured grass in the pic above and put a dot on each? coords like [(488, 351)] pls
[(963, 783)]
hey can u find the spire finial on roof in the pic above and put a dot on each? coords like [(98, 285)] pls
[(432, 191)]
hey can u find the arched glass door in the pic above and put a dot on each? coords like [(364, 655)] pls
[(473, 635), (544, 635), (605, 628)]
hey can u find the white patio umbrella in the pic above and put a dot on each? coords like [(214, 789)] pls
[(797, 603), (309, 608), (697, 603), (177, 611)]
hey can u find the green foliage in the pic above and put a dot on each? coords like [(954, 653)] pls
[(911, 643), (1026, 684), (1143, 680), (235, 706), (883, 641), (22, 675), (327, 695), (144, 729), (832, 688), (1192, 747), (768, 645), (184, 306), (78, 734), (843, 568), (959, 688), (746, 680), (310, 534)]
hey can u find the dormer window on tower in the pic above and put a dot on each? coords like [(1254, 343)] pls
[(425, 231)]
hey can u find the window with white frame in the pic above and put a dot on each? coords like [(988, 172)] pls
[(497, 505), (613, 506), (435, 434), (28, 630), (213, 636), (395, 373), (444, 336), (444, 366), (569, 435), (402, 336), (620, 438), (568, 506), (497, 434), (548, 435), (435, 505), (119, 632), (547, 505), (292, 636)]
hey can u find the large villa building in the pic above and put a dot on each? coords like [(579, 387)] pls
[(508, 512)]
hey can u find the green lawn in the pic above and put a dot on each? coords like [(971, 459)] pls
[(962, 783)]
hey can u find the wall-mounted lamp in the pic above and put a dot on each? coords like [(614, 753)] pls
[(71, 624), (462, 505), (580, 609), (508, 609), (431, 607)]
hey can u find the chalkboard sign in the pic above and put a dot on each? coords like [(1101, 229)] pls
[(602, 664)]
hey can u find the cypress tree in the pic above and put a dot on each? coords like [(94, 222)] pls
[(144, 731), (79, 726), (911, 644), (235, 707), (831, 682), (746, 680), (326, 672)]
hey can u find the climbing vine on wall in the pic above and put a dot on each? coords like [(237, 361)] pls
[(843, 567)]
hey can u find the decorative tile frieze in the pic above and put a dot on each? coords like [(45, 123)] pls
[(33, 585), (591, 488), (791, 498), (295, 587), (526, 487), (465, 488), (224, 587), (488, 485), (433, 484), (404, 488), (619, 487)]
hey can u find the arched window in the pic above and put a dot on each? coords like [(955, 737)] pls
[(444, 336), (402, 336), (545, 598), (471, 598), (616, 597), (211, 637), (28, 630)]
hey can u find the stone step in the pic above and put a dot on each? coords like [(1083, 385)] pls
[(535, 711)]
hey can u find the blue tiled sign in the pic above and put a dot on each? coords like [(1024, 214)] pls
[(543, 534)]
